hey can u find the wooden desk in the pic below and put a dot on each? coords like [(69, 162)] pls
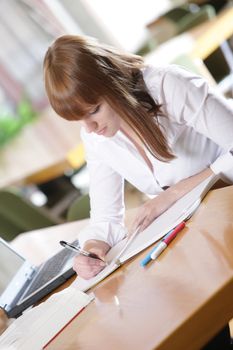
[(39, 153), (178, 302)]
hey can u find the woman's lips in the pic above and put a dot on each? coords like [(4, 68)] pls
[(102, 131)]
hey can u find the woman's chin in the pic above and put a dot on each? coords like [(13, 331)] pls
[(111, 133)]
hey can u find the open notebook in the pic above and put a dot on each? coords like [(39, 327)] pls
[(180, 211)]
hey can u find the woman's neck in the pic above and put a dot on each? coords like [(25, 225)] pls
[(130, 133), (134, 138)]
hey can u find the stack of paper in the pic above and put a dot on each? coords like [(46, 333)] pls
[(37, 326)]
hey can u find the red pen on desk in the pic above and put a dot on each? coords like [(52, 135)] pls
[(166, 240)]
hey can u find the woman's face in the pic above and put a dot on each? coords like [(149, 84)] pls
[(102, 120)]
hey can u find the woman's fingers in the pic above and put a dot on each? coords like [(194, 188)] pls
[(87, 267), (141, 220), (145, 223), (85, 260), (145, 215)]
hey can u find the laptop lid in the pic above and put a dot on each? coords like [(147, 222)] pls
[(22, 284), (14, 272)]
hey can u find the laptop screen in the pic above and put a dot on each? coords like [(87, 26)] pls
[(10, 263)]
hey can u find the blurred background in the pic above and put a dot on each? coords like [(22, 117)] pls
[(43, 177)]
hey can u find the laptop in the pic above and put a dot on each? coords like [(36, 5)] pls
[(23, 284)]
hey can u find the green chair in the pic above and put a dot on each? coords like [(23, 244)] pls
[(79, 209), (18, 215)]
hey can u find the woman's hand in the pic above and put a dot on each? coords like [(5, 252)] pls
[(149, 211), (87, 267)]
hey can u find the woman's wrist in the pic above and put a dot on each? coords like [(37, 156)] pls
[(184, 186), (96, 246)]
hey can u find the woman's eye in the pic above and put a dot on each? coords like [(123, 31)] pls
[(95, 110)]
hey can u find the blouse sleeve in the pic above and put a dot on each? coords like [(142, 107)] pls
[(189, 100), (107, 199)]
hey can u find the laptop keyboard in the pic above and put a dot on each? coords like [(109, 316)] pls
[(51, 268)]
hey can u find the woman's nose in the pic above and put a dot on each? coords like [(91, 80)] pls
[(90, 126)]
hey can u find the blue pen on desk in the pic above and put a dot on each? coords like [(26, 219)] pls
[(147, 258)]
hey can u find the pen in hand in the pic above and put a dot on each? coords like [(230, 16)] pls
[(79, 250)]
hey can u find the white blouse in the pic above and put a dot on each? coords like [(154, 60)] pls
[(199, 130)]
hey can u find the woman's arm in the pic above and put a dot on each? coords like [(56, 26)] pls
[(106, 226), (189, 100), (106, 192), (150, 210)]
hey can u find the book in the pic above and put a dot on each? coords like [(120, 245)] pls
[(181, 210), (38, 326)]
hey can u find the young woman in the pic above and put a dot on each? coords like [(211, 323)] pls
[(160, 128)]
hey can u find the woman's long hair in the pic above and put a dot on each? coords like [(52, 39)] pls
[(79, 71)]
